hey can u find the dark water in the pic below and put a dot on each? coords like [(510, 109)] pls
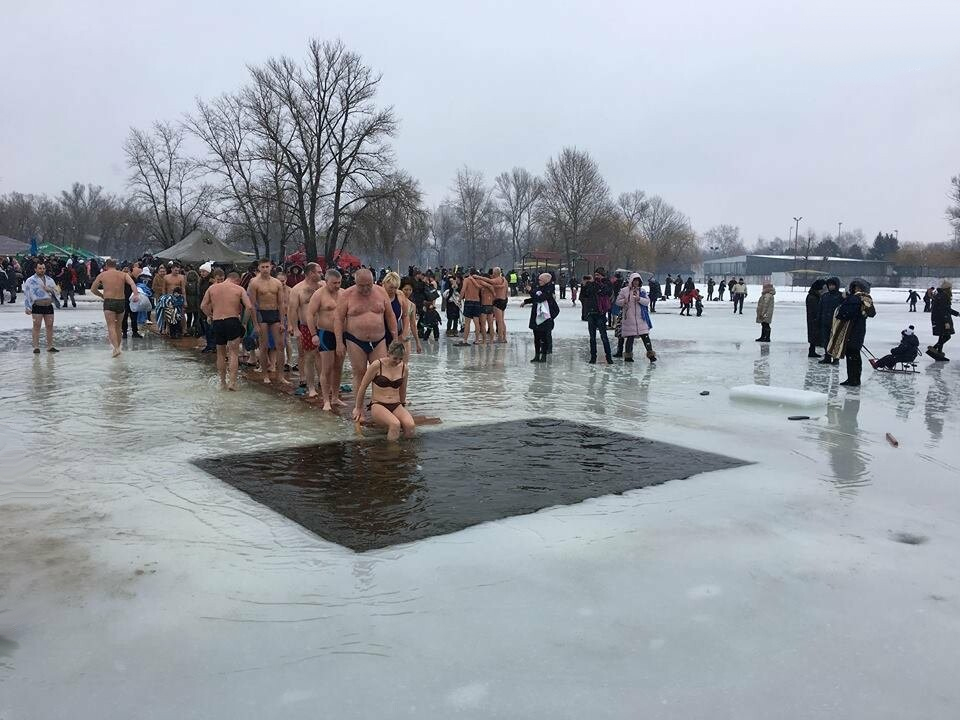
[(367, 493)]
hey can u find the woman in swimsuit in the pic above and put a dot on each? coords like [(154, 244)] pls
[(391, 283), (388, 378), (409, 334)]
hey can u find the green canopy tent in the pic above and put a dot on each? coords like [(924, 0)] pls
[(51, 249), (80, 253)]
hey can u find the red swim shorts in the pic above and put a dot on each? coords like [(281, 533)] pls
[(307, 341)]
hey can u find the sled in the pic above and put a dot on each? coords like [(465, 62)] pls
[(905, 367)]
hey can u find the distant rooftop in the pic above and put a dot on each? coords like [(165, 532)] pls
[(742, 258)]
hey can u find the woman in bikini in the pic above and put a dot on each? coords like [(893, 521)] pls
[(388, 378)]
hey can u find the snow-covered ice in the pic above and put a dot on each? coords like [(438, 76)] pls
[(820, 581)]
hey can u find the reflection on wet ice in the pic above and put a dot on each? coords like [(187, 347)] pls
[(841, 438), (938, 397)]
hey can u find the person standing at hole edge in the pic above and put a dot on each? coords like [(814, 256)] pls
[(813, 327), (850, 329), (829, 302), (38, 298), (543, 310), (765, 311), (941, 317)]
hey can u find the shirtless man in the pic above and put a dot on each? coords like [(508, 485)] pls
[(500, 291), (473, 309), (266, 293), (297, 325), (321, 321), (229, 307), (173, 279), (112, 281), (362, 319)]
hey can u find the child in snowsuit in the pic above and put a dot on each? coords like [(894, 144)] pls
[(543, 309), (905, 352), (698, 302)]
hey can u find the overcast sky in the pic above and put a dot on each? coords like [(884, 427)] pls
[(745, 112)]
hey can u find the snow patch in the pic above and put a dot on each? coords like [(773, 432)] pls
[(778, 395)]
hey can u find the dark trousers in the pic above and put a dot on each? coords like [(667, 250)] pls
[(765, 331), (453, 321), (913, 306), (425, 331), (542, 341), (133, 319), (709, 294), (738, 301), (653, 303), (941, 341), (720, 295), (645, 339), (597, 322), (563, 292), (854, 363)]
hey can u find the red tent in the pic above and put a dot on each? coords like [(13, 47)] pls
[(341, 257)]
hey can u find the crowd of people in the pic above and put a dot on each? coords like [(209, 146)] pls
[(306, 319)]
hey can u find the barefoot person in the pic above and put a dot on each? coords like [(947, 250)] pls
[(500, 290), (297, 310), (109, 286), (229, 307), (362, 320), (470, 290), (320, 317), (388, 378), (266, 294), (38, 293)]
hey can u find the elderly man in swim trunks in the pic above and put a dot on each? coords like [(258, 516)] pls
[(229, 307), (266, 294), (470, 291), (321, 321), (300, 295), (112, 282), (362, 320)]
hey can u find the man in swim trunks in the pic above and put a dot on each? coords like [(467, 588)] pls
[(112, 282), (472, 306), (174, 279), (321, 321), (500, 291), (362, 320), (266, 294), (300, 296), (229, 307)]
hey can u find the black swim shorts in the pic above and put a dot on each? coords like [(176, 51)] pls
[(226, 330), (500, 303), (269, 317), (471, 308), (42, 309)]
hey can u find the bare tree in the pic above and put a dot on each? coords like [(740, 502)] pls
[(953, 210), (393, 224), (723, 241), (166, 182), (516, 193), (477, 214), (574, 194), (445, 228), (668, 232)]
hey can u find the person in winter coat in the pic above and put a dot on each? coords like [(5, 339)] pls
[(829, 302), (689, 285), (667, 286), (813, 326), (905, 352), (721, 289), (193, 299), (68, 284), (941, 317), (738, 292), (850, 329), (595, 299), (654, 293), (765, 311), (677, 287), (543, 309), (635, 321), (912, 297), (710, 285), (928, 299), (698, 302)]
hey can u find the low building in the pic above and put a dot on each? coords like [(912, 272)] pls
[(760, 268)]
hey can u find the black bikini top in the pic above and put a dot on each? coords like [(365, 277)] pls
[(382, 381)]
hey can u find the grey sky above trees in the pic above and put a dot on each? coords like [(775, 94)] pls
[(740, 113)]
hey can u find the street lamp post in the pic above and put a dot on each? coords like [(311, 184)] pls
[(796, 242), (896, 235), (839, 232)]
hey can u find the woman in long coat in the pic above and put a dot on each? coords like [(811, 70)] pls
[(635, 321), (813, 324)]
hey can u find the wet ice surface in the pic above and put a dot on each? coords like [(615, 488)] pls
[(819, 581), (366, 494)]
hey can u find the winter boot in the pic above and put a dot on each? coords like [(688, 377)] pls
[(628, 357), (651, 356)]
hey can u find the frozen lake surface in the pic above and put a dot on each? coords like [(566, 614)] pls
[(817, 581)]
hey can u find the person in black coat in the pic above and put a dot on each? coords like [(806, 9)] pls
[(912, 297), (654, 294), (677, 287), (928, 299), (543, 309), (813, 324), (941, 317), (829, 302), (710, 286), (905, 352), (854, 311), (668, 286)]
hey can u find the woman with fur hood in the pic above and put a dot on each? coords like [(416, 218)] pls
[(765, 311), (941, 318), (635, 321)]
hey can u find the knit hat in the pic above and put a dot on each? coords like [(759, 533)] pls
[(945, 285), (208, 266), (908, 331)]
